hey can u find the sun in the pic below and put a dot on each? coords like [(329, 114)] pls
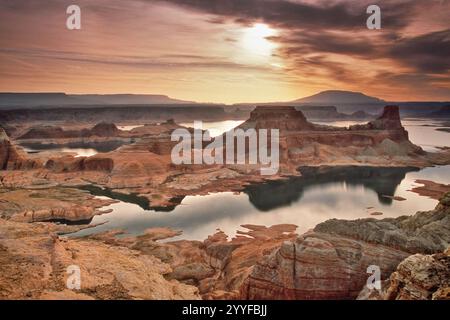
[(255, 39)]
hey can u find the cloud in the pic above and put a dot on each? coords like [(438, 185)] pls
[(169, 61), (319, 43), (427, 53), (299, 14)]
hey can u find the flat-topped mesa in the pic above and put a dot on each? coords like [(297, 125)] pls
[(104, 129), (277, 117)]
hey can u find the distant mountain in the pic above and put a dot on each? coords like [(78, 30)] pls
[(333, 97), (61, 99), (130, 99)]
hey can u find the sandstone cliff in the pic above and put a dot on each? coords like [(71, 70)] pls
[(331, 261), (101, 129), (383, 141), (11, 158)]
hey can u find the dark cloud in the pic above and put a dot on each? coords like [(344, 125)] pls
[(429, 53), (290, 14), (324, 42), (339, 27)]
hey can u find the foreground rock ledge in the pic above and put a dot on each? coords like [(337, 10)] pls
[(33, 262)]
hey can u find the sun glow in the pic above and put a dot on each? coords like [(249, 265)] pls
[(255, 39)]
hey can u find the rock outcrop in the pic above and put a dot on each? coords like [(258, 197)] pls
[(331, 261), (383, 141), (34, 264), (421, 277), (101, 129), (217, 266), (50, 204), (76, 164), (431, 189), (318, 266), (11, 158), (282, 118)]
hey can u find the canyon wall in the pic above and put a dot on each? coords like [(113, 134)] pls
[(331, 261)]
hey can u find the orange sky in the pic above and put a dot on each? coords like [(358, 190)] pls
[(227, 51)]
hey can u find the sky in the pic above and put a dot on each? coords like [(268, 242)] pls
[(227, 51)]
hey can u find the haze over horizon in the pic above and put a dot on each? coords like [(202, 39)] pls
[(227, 51)]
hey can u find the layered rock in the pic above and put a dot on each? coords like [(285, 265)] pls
[(75, 164), (102, 129), (431, 189), (331, 262), (383, 141), (34, 265), (424, 232), (282, 118), (421, 277), (318, 266), (65, 204), (11, 158), (217, 266)]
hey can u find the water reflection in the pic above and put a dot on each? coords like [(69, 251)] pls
[(81, 149), (326, 193), (216, 128), (383, 181)]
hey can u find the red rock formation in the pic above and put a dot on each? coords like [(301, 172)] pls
[(34, 264), (50, 132), (331, 262), (305, 143), (4, 149), (390, 121), (318, 266), (74, 164), (103, 129), (421, 277), (282, 118), (10, 158)]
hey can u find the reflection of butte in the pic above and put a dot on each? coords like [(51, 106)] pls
[(275, 194)]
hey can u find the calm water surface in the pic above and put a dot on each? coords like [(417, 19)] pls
[(343, 193)]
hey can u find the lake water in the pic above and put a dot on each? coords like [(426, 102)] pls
[(421, 132), (343, 193), (80, 149), (216, 128), (129, 127)]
